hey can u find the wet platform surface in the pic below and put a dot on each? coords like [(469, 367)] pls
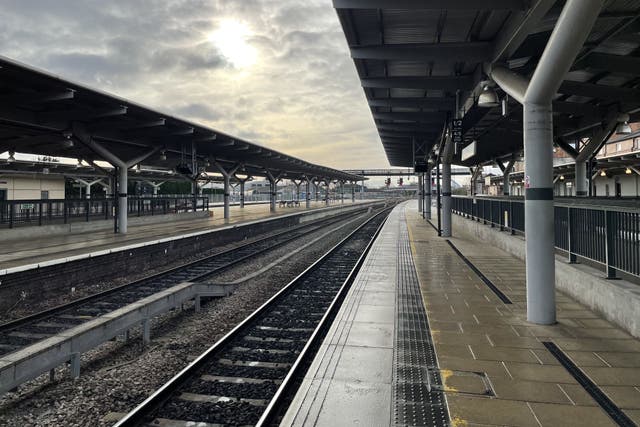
[(36, 250), (494, 366)]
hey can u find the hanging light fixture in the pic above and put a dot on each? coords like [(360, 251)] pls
[(137, 168), (603, 173), (79, 164), (561, 177), (11, 157), (623, 127), (68, 142), (163, 155), (488, 97), (627, 171)]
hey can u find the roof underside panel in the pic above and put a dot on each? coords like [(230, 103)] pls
[(414, 55)]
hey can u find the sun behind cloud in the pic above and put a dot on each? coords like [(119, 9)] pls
[(231, 40)]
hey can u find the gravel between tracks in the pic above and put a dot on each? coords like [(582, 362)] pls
[(118, 375)]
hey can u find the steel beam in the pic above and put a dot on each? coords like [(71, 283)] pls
[(518, 27), (446, 103), (612, 93), (427, 52), (419, 82), (432, 4), (436, 118)]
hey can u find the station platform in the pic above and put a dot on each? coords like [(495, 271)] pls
[(32, 251), (423, 340)]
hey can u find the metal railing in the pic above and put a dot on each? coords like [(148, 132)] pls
[(606, 234), (14, 213)]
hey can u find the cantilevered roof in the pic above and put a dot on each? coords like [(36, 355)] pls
[(412, 57), (40, 112)]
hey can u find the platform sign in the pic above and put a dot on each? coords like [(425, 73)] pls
[(456, 134), (469, 151), (420, 166)]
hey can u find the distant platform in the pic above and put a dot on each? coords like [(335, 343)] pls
[(421, 339), (44, 249)]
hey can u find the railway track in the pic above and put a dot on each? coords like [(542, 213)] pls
[(244, 378), (26, 331)]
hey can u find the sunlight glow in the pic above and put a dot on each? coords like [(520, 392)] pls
[(231, 39)]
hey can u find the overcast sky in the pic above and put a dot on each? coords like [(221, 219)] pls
[(275, 72)]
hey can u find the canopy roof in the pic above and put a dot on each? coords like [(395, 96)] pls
[(40, 113), (412, 57)]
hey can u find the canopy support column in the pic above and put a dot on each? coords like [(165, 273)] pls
[(568, 36), (226, 175), (326, 194), (273, 187), (88, 185), (420, 193), (123, 166)]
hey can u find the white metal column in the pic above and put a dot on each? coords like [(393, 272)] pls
[(568, 36)]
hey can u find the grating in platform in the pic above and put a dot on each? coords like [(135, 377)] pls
[(418, 399)]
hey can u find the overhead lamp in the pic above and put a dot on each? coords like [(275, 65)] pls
[(11, 157), (79, 164), (561, 177), (488, 98), (67, 142), (627, 171), (137, 168), (163, 155), (623, 127), (603, 173), (206, 162)]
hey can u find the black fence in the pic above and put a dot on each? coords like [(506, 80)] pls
[(607, 235), (14, 213)]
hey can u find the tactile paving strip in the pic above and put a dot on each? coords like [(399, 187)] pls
[(418, 399)]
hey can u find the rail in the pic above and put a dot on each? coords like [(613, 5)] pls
[(14, 213), (606, 234)]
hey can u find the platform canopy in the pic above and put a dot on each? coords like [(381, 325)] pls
[(44, 114), (414, 56)]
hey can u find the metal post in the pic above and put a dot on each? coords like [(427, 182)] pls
[(341, 192), (308, 195), (420, 193), (123, 175), (227, 183), (446, 199), (567, 39), (326, 194), (572, 256), (581, 179), (538, 213), (427, 205), (353, 191), (242, 194), (438, 200), (609, 244), (362, 190)]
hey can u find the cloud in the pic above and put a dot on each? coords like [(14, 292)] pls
[(302, 96)]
